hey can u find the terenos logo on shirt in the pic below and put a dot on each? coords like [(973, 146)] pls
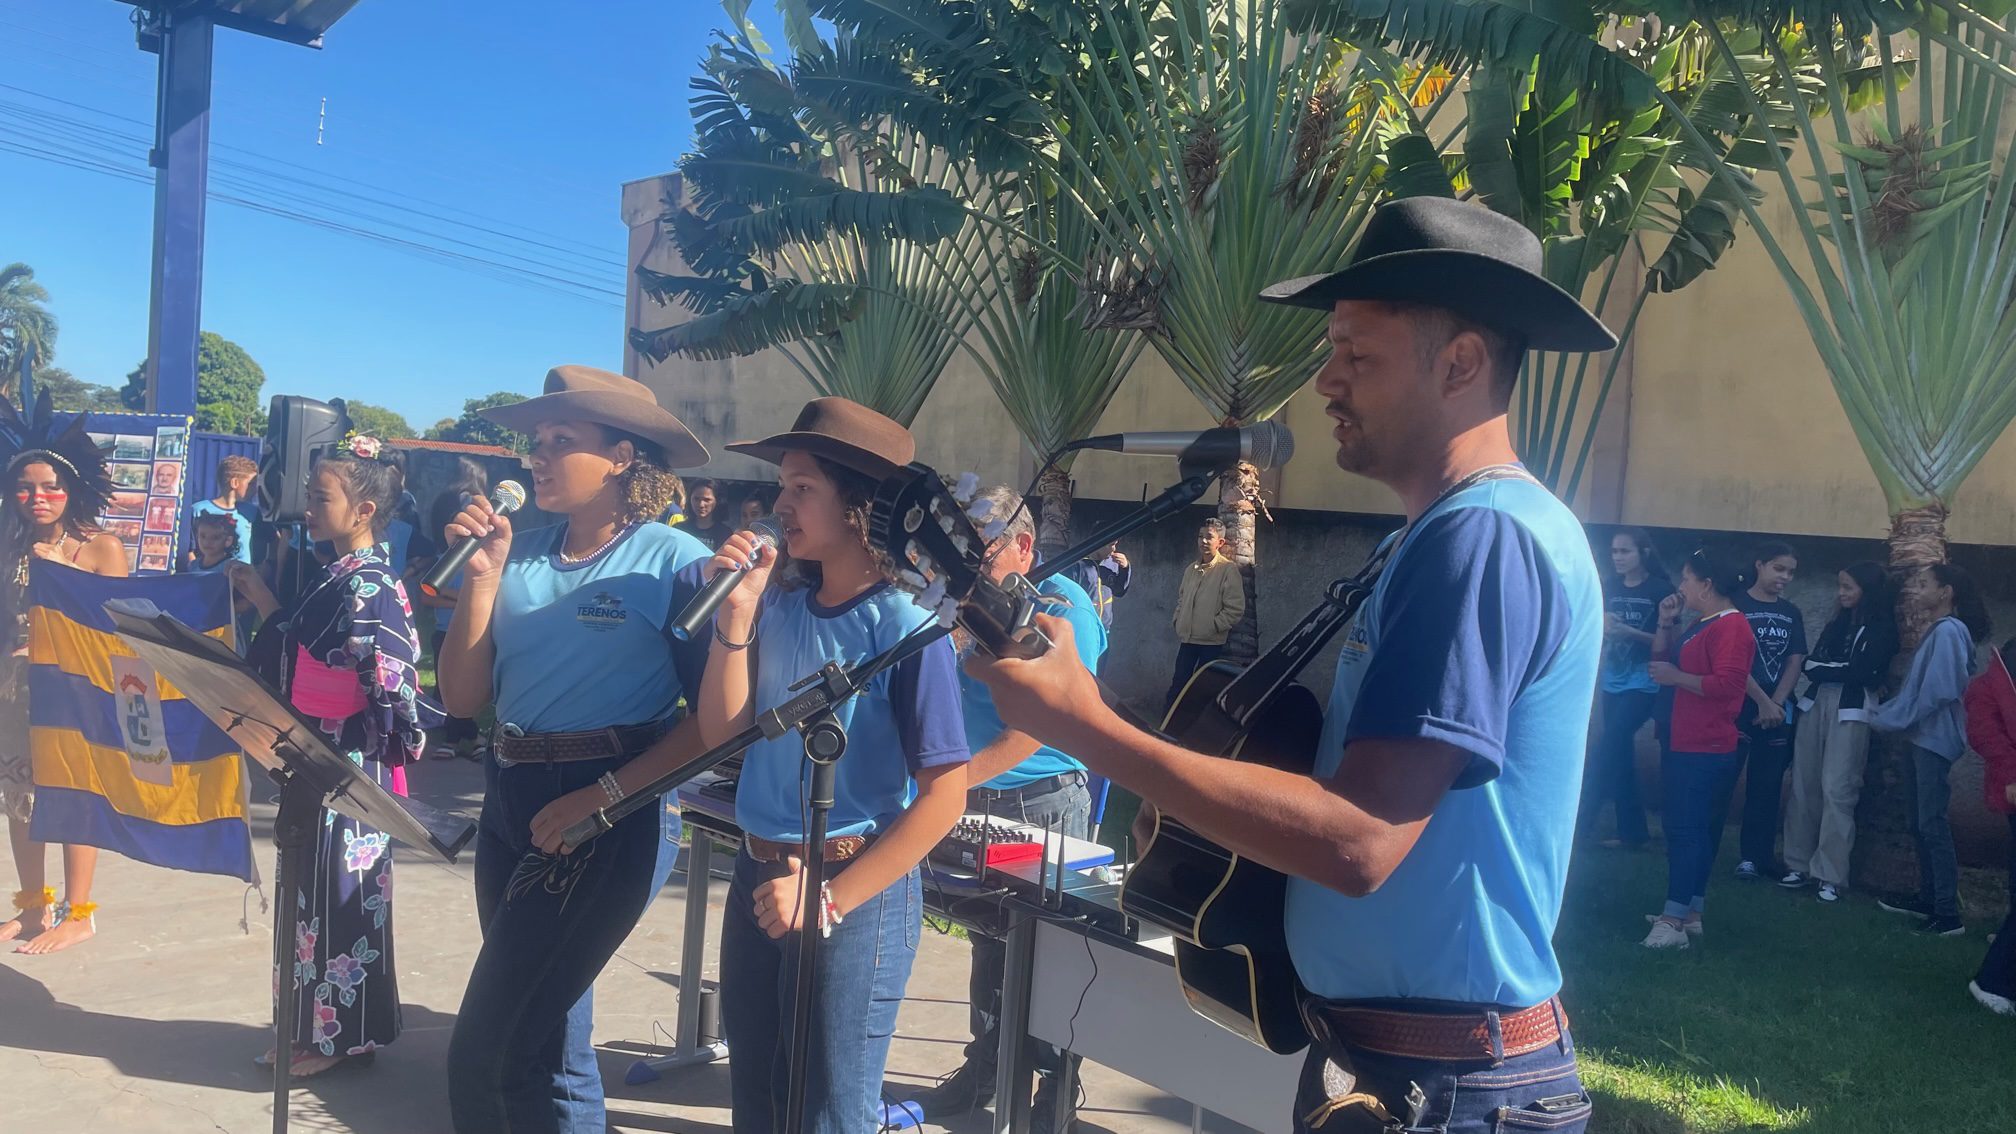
[(603, 611)]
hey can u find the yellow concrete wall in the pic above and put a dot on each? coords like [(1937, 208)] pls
[(1722, 417)]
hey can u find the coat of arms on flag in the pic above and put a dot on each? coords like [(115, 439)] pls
[(121, 760)]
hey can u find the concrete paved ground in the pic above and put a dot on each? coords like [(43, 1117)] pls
[(151, 1026)]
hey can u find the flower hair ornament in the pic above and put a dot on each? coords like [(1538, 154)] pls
[(70, 450), (362, 446)]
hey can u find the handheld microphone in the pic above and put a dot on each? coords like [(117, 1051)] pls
[(507, 497), (1267, 445), (769, 533)]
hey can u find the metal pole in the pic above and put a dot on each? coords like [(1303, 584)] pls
[(181, 161)]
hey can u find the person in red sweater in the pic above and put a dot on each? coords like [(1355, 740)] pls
[(1991, 730), (1708, 666)]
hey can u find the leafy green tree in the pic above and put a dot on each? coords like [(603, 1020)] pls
[(25, 323), (69, 393), (377, 421), (228, 382), (470, 429)]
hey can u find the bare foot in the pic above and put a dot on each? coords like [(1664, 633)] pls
[(24, 926), (71, 932)]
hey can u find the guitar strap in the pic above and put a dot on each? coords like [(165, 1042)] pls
[(1278, 668)]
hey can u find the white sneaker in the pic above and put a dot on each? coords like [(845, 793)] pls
[(2000, 1005), (1665, 935), (1693, 924), (1828, 892), (1794, 880)]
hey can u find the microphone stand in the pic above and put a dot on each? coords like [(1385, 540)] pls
[(1171, 500)]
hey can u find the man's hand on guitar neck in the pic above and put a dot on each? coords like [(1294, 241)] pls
[(1349, 832)]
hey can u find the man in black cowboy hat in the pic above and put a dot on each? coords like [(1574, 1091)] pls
[(1429, 851)]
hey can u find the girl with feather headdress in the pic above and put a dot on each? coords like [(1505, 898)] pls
[(59, 487)]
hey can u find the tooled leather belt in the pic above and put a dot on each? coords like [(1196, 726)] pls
[(837, 849), (514, 746), (1457, 1036)]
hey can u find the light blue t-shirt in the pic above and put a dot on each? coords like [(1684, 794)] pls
[(584, 645), (906, 720), (1484, 632), (238, 520), (983, 721), (399, 534)]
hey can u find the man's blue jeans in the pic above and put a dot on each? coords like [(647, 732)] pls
[(863, 969), (520, 1059), (1938, 865), (1537, 1091)]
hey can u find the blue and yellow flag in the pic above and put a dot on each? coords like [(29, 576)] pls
[(122, 760)]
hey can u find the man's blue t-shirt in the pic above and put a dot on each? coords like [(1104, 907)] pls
[(906, 720), (238, 520), (983, 722), (399, 534), (1484, 632), (584, 645)]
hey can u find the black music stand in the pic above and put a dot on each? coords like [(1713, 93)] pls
[(311, 776)]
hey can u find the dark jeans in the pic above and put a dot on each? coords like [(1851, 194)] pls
[(1998, 969), (520, 1058), (1536, 1091), (1613, 768), (1938, 865), (1069, 806), (454, 730), (1190, 657), (1768, 754), (1697, 787), (862, 970)]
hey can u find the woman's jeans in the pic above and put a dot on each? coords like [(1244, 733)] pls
[(1613, 771), (1997, 973), (520, 1059), (1697, 787), (863, 968)]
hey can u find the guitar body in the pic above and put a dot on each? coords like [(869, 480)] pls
[(1226, 912)]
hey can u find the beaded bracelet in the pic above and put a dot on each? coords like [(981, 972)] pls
[(829, 914)]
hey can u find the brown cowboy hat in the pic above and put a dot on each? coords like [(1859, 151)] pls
[(847, 433), (583, 393)]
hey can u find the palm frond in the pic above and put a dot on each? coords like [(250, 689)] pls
[(748, 322)]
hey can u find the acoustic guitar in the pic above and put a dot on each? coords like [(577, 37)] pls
[(1226, 913)]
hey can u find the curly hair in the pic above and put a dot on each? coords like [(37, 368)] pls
[(219, 520)]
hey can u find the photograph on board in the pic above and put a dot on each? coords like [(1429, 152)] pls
[(128, 531), (171, 443), (133, 447), (127, 504), (161, 514), (167, 478), (130, 474)]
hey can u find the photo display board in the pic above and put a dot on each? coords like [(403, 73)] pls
[(148, 457)]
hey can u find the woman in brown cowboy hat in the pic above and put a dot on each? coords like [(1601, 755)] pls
[(899, 789), (564, 629)]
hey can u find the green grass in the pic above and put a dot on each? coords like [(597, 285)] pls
[(1789, 1015)]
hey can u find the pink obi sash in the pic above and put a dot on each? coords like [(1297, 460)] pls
[(332, 694), (318, 690)]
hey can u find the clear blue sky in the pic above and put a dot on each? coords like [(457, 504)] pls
[(495, 129)]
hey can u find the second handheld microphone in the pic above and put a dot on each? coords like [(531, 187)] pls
[(769, 533)]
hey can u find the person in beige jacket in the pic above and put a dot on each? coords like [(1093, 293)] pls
[(1209, 602)]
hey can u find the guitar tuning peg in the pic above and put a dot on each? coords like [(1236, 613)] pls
[(993, 529), (948, 611), (979, 510), (967, 485), (932, 595), (912, 581)]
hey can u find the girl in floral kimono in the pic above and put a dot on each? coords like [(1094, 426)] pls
[(347, 658)]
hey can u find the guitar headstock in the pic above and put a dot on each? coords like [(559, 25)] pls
[(932, 533)]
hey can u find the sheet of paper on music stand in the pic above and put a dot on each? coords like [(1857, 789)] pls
[(227, 689)]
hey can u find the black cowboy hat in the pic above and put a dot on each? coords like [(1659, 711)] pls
[(1463, 258), (847, 433), (583, 393)]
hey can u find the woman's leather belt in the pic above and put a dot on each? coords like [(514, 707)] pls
[(514, 746)]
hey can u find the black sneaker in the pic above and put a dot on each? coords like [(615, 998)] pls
[(1942, 926), (963, 1091), (1043, 1112), (1746, 871), (1913, 907)]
